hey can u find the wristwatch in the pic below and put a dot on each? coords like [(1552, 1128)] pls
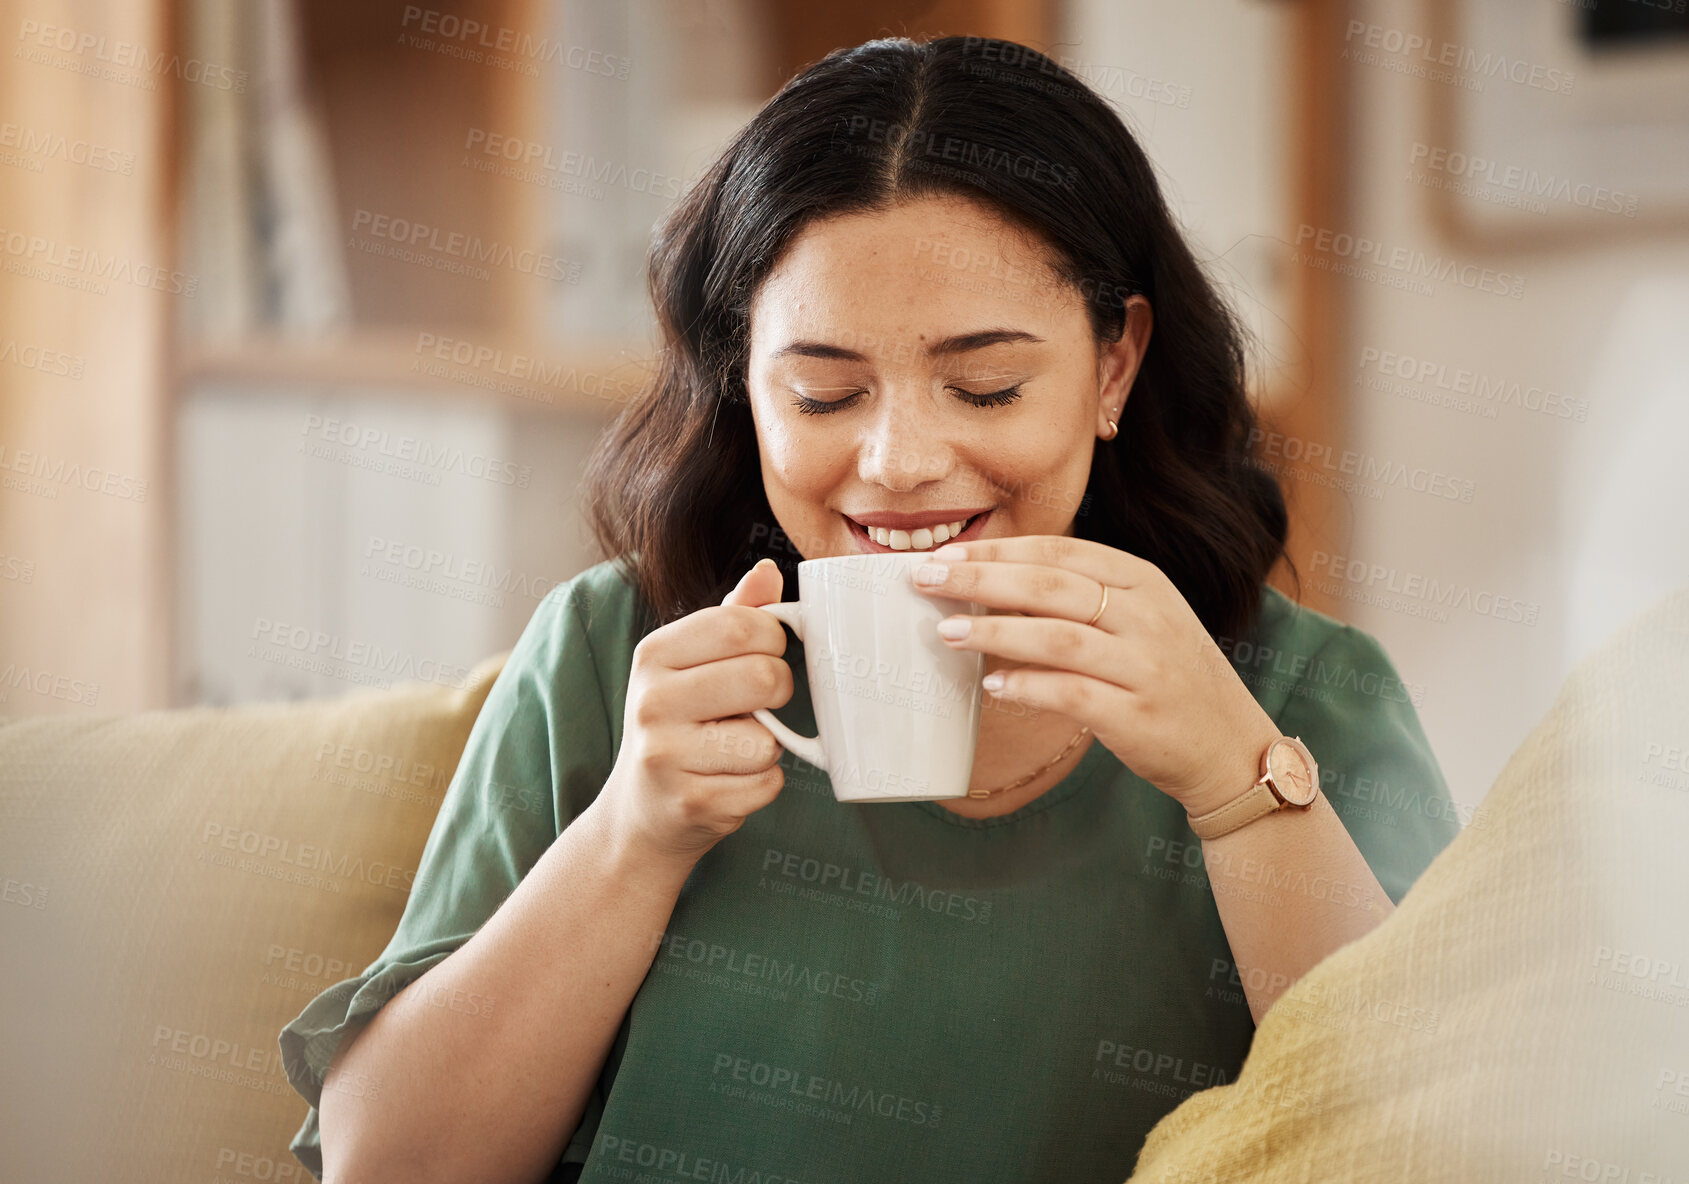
[(1289, 777)]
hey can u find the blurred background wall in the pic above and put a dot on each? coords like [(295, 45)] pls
[(311, 312)]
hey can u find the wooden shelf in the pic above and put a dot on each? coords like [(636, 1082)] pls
[(596, 378)]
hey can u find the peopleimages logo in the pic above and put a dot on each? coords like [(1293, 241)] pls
[(535, 155), (1527, 183), (714, 957), (445, 457), (1355, 250), (1370, 577), (467, 33), (525, 376), (45, 474), (1489, 390), (45, 361), (1268, 446), (37, 145), (342, 864), (35, 256), (47, 684), (849, 881), (104, 52), (1421, 51), (687, 1164), (1195, 1074), (406, 236), (919, 147), (826, 1090), (332, 654)]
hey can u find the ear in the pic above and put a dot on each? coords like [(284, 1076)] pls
[(1118, 363)]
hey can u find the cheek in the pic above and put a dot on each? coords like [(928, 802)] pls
[(1040, 470), (793, 465), (785, 460), (1037, 451)]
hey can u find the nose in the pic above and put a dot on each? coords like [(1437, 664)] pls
[(905, 443)]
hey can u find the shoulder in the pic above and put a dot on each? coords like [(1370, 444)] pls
[(600, 603), (568, 671), (579, 644), (1298, 651), (1285, 622)]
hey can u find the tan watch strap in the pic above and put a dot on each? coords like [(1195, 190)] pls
[(1240, 811)]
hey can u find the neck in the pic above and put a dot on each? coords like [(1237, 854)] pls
[(1010, 746)]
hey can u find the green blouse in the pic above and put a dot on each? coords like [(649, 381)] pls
[(890, 991)]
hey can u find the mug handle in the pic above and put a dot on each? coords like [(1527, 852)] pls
[(808, 747)]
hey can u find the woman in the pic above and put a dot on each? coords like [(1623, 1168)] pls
[(930, 287)]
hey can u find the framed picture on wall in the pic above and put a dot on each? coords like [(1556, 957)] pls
[(1551, 120)]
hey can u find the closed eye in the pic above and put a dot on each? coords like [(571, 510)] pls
[(1000, 398), (994, 399)]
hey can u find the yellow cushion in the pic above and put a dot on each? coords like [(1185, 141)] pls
[(1524, 1014), (176, 886)]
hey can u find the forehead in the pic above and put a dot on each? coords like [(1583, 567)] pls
[(922, 269)]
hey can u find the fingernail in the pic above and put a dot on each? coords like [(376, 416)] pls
[(955, 628), (951, 551), (931, 573), (992, 682)]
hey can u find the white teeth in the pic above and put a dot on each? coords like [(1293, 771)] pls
[(920, 539)]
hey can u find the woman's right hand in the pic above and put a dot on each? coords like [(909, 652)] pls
[(693, 763)]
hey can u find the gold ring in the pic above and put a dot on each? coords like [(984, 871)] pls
[(1096, 615)]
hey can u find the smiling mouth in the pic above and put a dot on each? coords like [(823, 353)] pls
[(880, 538)]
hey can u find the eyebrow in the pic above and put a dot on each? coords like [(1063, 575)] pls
[(945, 346)]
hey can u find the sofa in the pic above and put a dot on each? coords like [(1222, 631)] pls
[(1523, 1015), (175, 886)]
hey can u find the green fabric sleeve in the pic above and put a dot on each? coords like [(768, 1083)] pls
[(536, 756), (1377, 769)]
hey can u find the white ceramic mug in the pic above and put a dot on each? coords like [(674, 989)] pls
[(897, 709)]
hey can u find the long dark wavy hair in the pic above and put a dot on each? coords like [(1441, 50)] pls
[(674, 488)]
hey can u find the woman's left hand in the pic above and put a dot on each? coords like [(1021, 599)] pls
[(1145, 677)]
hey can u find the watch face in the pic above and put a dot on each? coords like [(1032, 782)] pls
[(1293, 771)]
